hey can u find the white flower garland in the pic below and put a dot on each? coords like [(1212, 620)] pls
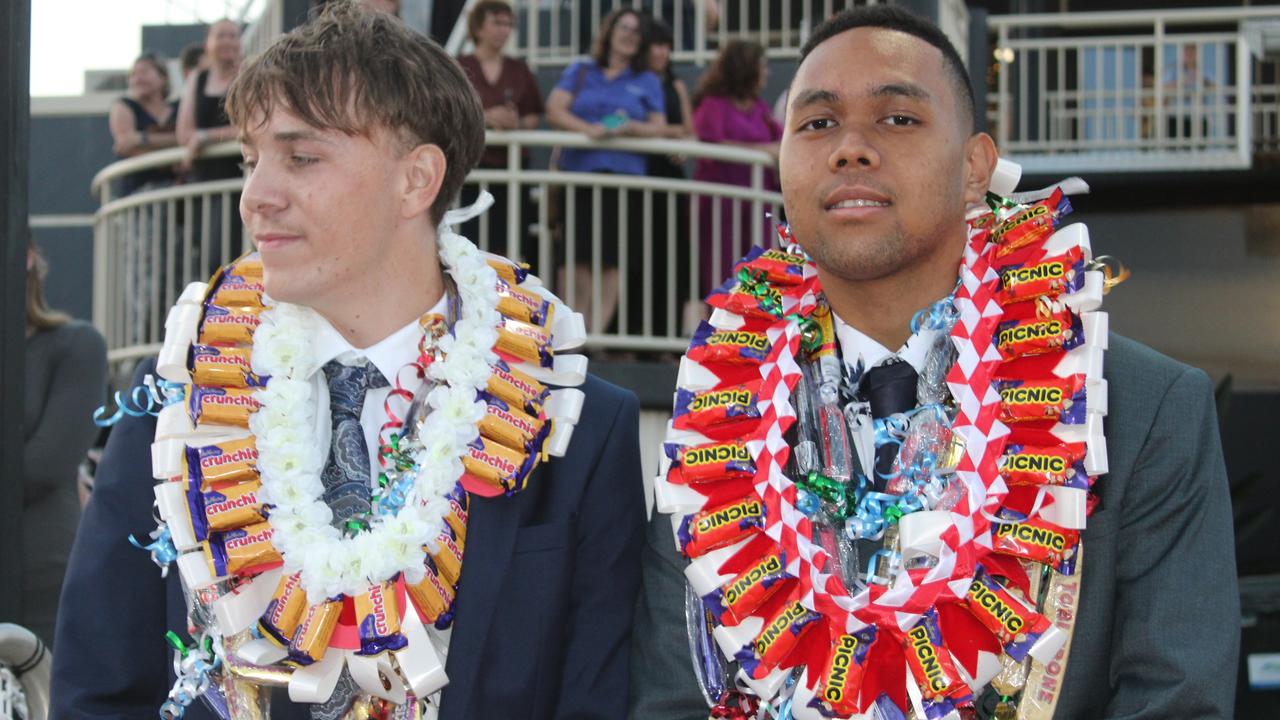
[(290, 460)]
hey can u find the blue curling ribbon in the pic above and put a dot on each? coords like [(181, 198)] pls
[(161, 548), (807, 502), (147, 399), (941, 315), (396, 496)]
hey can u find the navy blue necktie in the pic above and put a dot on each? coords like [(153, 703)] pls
[(889, 388), (346, 480)]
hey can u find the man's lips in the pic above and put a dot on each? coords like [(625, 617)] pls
[(274, 239), (855, 198)]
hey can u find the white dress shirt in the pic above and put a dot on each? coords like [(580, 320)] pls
[(389, 355), (856, 346)]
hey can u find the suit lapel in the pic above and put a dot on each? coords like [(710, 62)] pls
[(491, 531)]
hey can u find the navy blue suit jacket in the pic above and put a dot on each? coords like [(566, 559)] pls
[(545, 600)]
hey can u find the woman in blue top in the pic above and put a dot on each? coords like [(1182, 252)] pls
[(610, 94)]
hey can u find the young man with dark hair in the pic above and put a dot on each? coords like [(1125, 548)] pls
[(357, 136), (879, 163)]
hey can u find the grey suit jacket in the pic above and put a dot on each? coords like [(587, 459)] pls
[(1158, 631)]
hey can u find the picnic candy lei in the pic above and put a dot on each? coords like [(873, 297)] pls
[(979, 522)]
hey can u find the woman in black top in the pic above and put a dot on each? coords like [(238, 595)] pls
[(143, 120), (202, 114)]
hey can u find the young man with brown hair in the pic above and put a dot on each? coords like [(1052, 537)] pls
[(358, 134), (879, 162)]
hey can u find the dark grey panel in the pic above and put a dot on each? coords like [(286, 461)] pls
[(66, 152), (69, 286)]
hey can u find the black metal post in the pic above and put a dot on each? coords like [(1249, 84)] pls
[(15, 123)]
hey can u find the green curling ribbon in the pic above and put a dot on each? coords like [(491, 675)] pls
[(172, 638), (810, 335), (893, 514)]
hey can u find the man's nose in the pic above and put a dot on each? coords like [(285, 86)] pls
[(855, 149), (263, 192)]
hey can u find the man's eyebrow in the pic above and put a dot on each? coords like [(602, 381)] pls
[(814, 96), (907, 90), (287, 136)]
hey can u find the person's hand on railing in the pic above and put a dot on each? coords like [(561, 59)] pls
[(596, 131), (502, 117)]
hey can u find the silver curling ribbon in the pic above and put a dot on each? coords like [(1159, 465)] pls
[(837, 457)]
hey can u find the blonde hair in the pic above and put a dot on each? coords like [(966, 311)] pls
[(40, 316)]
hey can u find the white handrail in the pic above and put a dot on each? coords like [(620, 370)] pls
[(1120, 18), (149, 244), (692, 149)]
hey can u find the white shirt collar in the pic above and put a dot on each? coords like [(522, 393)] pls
[(389, 354), (855, 345)]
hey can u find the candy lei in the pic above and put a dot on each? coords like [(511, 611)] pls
[(960, 613), (271, 582), (291, 460)]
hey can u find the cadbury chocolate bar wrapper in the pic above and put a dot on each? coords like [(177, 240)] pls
[(732, 602), (766, 303), (497, 464), (775, 266), (508, 272), (519, 304), (311, 638), (249, 266), (511, 426), (735, 347), (448, 555), (227, 508), (517, 389), (718, 414), (242, 551), (236, 291), (1046, 277), (709, 462), (284, 612), (225, 365), (457, 515), (228, 326), (1039, 335), (1058, 399), (1032, 224), (222, 462), (1037, 540), (931, 663), (221, 405), (433, 597), (378, 620), (1061, 464), (841, 680), (1015, 625), (779, 636), (717, 527), (530, 343)]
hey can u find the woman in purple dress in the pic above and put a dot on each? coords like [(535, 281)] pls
[(729, 110)]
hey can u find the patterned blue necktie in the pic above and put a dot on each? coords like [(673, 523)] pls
[(346, 475)]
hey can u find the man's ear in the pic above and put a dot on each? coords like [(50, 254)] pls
[(980, 163), (424, 174)]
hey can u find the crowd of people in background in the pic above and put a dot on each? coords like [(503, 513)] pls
[(625, 86)]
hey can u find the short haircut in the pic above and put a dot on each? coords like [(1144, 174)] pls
[(353, 69), (481, 12), (603, 43), (895, 18)]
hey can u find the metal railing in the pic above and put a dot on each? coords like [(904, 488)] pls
[(555, 32), (578, 231), (1133, 91)]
